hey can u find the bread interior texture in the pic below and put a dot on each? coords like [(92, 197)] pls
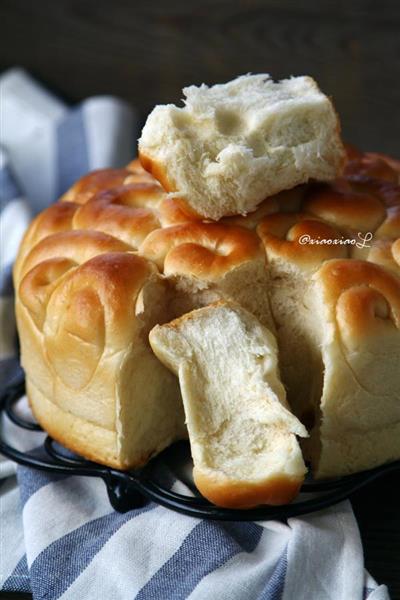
[(241, 430), (149, 409), (298, 327), (343, 383), (245, 283), (234, 144)]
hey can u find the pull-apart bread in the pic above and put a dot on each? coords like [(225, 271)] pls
[(337, 320), (242, 433), (85, 304), (234, 144), (316, 263)]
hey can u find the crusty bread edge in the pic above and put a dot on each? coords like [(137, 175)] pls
[(274, 490), (155, 169), (158, 171), (332, 460), (89, 440)]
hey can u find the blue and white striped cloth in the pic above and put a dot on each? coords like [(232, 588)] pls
[(59, 537)]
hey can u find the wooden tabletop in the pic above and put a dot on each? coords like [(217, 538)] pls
[(146, 52)]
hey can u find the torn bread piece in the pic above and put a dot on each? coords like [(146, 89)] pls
[(241, 430), (234, 144)]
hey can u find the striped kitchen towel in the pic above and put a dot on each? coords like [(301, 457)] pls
[(59, 537)]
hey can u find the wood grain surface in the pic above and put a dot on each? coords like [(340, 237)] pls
[(146, 52)]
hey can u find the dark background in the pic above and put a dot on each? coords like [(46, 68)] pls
[(147, 51)]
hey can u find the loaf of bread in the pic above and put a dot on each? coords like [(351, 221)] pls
[(317, 265), (241, 431), (235, 144)]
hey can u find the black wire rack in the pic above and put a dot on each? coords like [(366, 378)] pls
[(132, 489)]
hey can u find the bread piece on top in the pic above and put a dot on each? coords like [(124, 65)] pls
[(234, 144)]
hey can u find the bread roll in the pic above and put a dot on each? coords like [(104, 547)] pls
[(318, 371), (55, 219), (205, 262), (93, 182), (242, 433), (356, 308), (84, 307), (235, 144), (362, 166)]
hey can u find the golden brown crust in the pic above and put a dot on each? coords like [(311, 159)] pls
[(286, 201), (157, 171), (204, 250), (352, 210), (175, 211), (94, 182), (83, 334), (390, 228), (183, 208), (76, 269), (364, 294), (55, 219), (83, 314), (78, 435), (125, 212), (237, 494), (137, 173), (78, 246), (38, 284), (104, 179), (385, 253), (371, 165), (300, 239)]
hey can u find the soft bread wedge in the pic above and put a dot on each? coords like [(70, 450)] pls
[(241, 431), (234, 144)]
